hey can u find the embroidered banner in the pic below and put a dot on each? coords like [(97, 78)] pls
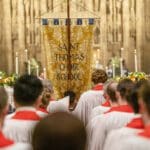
[(55, 44)]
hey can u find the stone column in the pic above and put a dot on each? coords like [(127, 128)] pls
[(43, 10), (139, 30), (89, 5), (103, 29), (57, 4), (37, 30), (27, 14), (8, 35), (114, 20), (110, 23), (21, 34), (126, 29)]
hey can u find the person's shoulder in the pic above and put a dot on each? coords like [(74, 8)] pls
[(135, 143), (100, 109), (91, 93), (19, 146)]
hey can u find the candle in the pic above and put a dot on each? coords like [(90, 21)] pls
[(37, 70), (26, 55), (44, 70), (29, 67), (98, 53), (121, 52), (106, 68), (17, 64), (114, 72), (135, 60), (121, 67)]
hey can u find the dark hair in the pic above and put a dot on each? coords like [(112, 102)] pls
[(71, 95), (144, 94), (27, 89), (111, 91), (59, 131), (3, 98), (99, 76), (125, 88), (134, 95)]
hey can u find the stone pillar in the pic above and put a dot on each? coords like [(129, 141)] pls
[(89, 5), (110, 23), (139, 30), (37, 30), (126, 29), (8, 35), (43, 10), (27, 13), (57, 4), (103, 29), (37, 22), (114, 20), (21, 34)]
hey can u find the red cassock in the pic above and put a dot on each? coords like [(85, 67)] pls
[(19, 126), (106, 104), (6, 144), (42, 112)]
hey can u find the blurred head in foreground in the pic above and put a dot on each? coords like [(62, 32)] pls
[(59, 131)]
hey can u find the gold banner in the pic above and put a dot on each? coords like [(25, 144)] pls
[(55, 43)]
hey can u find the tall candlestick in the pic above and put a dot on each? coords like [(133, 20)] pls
[(29, 67), (98, 53), (114, 71), (26, 55), (121, 52), (17, 64), (121, 67), (44, 70), (37, 70), (135, 60)]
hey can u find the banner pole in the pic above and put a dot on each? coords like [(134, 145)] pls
[(69, 45)]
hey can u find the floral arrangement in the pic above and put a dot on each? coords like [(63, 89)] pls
[(7, 80), (134, 76)]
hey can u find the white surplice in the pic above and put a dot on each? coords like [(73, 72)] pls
[(20, 130), (98, 111), (18, 146), (59, 105), (115, 136), (87, 102), (132, 143), (42, 114), (100, 126)]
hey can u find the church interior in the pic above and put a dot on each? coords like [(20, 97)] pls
[(121, 24), (74, 75)]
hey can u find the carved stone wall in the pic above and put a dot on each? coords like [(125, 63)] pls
[(124, 23)]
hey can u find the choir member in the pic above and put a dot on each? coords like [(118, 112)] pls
[(116, 117), (132, 127), (91, 98), (27, 97), (5, 143)]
